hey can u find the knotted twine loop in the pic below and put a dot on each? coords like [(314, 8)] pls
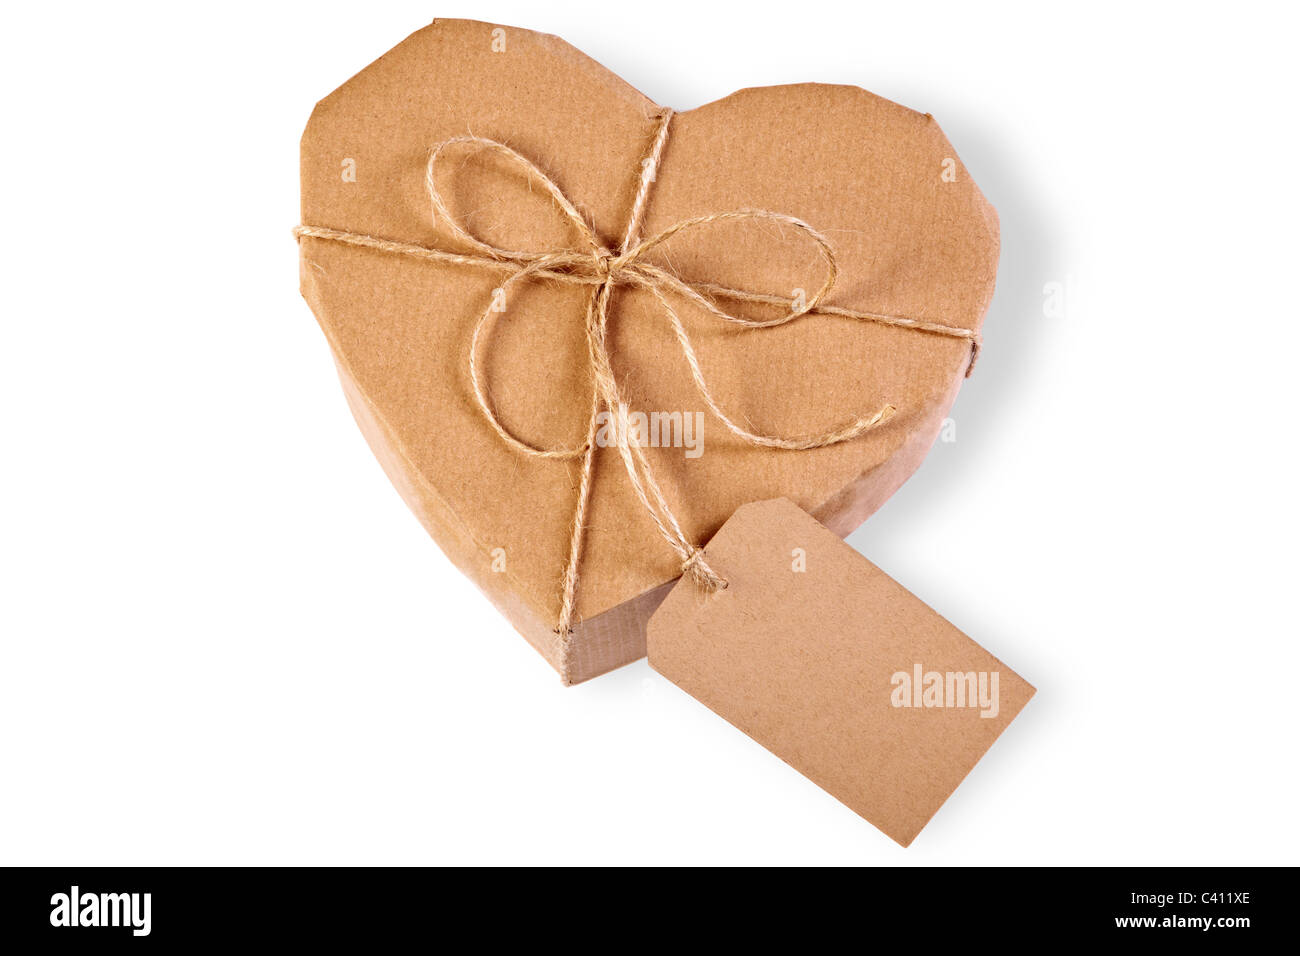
[(592, 264)]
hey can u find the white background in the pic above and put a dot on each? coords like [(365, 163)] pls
[(223, 638)]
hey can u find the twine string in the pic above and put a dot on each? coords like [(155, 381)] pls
[(590, 263)]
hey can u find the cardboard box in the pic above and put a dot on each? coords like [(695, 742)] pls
[(912, 235)]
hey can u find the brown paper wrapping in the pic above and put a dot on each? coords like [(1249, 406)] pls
[(911, 232)]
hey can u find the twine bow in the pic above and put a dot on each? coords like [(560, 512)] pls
[(588, 262)]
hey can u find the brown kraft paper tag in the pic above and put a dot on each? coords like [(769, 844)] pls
[(835, 667)]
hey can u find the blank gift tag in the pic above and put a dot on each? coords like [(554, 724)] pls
[(834, 667)]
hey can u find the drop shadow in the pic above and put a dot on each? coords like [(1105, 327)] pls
[(1014, 330)]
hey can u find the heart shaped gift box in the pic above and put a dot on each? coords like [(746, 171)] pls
[(914, 248)]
